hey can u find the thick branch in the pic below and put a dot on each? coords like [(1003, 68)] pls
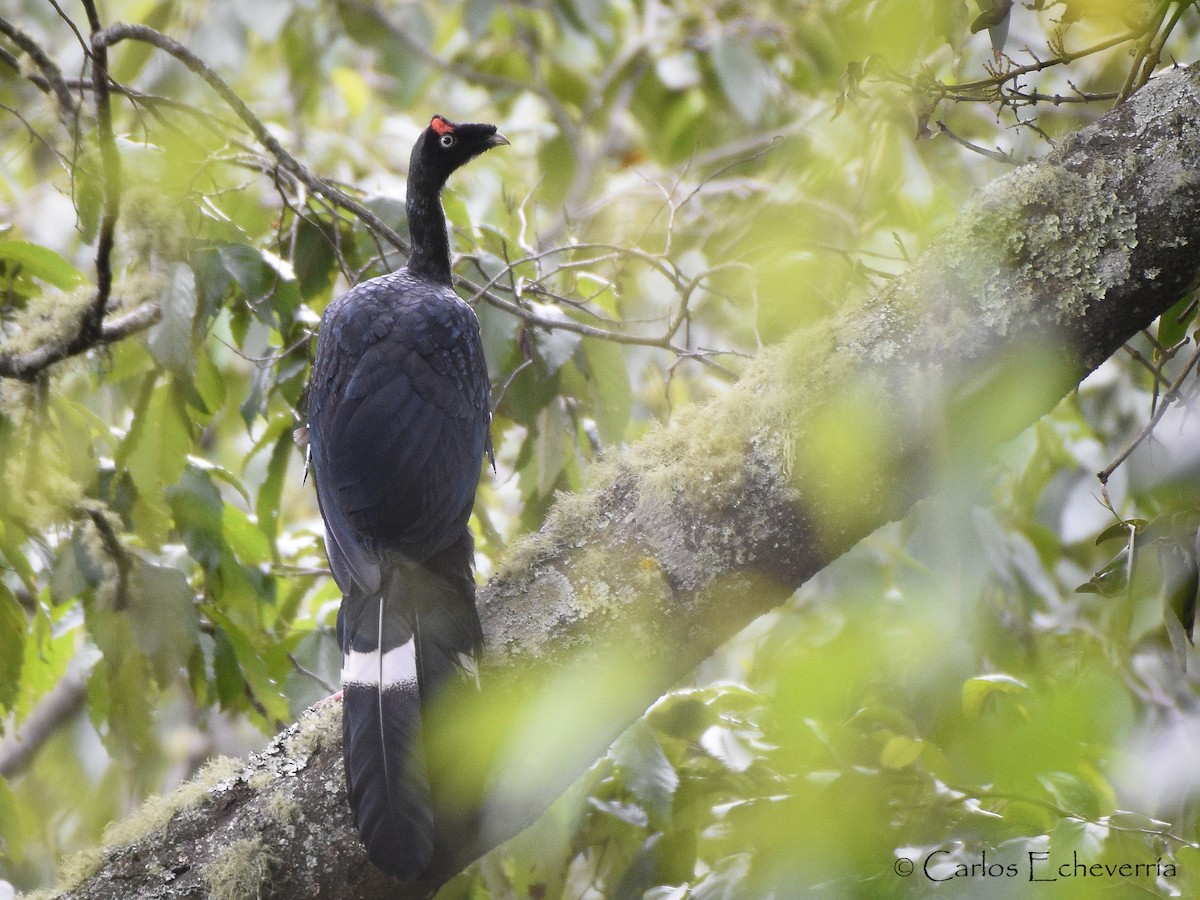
[(710, 522)]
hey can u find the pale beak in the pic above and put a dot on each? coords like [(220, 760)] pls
[(497, 140)]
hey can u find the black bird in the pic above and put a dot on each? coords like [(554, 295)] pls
[(398, 429)]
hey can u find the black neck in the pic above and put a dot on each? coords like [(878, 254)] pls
[(429, 256)]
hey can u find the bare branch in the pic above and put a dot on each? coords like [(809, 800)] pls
[(62, 702), (91, 327)]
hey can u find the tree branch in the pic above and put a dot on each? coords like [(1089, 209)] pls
[(116, 33), (717, 518), (62, 702), (28, 365), (92, 325), (51, 78)]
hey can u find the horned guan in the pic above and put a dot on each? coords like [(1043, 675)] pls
[(398, 426)]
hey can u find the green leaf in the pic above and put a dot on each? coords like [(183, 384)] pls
[(162, 607), (12, 647), (170, 338), (551, 443), (244, 536), (976, 690), (10, 824), (209, 383), (269, 495), (900, 751), (155, 454), (740, 75), (648, 773), (609, 388), (725, 745), (1121, 530), (26, 259), (1173, 324), (250, 662), (314, 260)]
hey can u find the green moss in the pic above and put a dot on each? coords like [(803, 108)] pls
[(48, 320), (153, 224), (152, 816), (322, 728), (241, 870), (75, 869), (571, 522), (1040, 233), (282, 808)]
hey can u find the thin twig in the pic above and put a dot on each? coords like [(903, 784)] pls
[(92, 324), (997, 155), (117, 33), (1169, 397)]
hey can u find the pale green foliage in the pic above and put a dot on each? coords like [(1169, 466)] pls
[(716, 174)]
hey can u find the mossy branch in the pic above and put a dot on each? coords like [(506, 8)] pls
[(717, 518), (28, 365)]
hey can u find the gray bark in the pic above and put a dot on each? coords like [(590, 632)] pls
[(707, 523)]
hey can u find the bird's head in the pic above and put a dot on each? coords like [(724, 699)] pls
[(446, 145)]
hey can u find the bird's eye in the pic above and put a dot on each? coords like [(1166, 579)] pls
[(447, 140)]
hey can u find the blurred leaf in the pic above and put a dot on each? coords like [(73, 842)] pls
[(155, 454), (1113, 579), (170, 337), (477, 16), (133, 58), (163, 609), (12, 647), (740, 76), (900, 752), (555, 346), (10, 824), (724, 744), (266, 18), (353, 88), (23, 259), (249, 663), (630, 813), (609, 388), (975, 691), (244, 537), (315, 260), (551, 442), (648, 773), (269, 495), (1123, 530)]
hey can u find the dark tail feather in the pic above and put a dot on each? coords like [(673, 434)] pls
[(382, 741), (399, 648)]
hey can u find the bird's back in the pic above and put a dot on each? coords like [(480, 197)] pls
[(398, 419)]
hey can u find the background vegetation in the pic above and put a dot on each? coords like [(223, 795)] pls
[(686, 183)]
